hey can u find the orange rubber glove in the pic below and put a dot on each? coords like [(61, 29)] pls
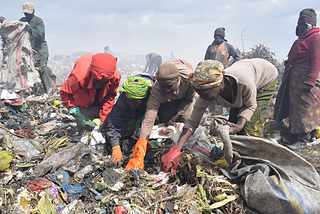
[(138, 154), (116, 154)]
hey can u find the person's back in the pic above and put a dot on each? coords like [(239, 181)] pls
[(107, 50), (154, 61)]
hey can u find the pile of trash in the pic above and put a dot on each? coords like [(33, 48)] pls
[(47, 167)]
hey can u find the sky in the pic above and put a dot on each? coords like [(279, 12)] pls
[(182, 27)]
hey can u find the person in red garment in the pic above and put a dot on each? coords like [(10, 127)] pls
[(299, 93), (90, 90)]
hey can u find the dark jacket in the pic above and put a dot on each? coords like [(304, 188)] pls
[(231, 51), (37, 39), (120, 111)]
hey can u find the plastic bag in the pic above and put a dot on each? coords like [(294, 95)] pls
[(62, 178), (164, 132), (25, 148), (5, 160), (198, 138), (45, 206)]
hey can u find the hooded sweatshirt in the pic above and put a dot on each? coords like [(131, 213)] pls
[(79, 90)]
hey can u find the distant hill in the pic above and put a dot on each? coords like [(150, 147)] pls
[(127, 64)]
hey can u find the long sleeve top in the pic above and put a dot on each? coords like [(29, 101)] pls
[(37, 35), (250, 75), (231, 50), (307, 49), (120, 111), (183, 92)]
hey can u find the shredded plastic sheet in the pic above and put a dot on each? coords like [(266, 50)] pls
[(17, 67), (161, 131), (198, 139)]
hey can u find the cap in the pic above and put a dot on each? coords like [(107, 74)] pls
[(28, 7)]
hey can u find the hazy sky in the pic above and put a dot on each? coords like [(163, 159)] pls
[(183, 27)]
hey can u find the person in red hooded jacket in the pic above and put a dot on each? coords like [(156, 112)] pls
[(90, 90)]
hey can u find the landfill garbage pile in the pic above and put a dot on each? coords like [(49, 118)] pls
[(47, 167)]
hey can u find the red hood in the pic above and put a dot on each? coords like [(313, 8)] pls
[(103, 66)]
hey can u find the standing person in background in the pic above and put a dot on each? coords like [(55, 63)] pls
[(90, 90), (221, 50), (154, 61), (107, 50), (299, 93), (171, 98), (128, 111), (36, 31)]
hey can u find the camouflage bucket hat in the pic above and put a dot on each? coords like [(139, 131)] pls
[(208, 74)]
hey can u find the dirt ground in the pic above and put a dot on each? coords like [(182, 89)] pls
[(274, 129)]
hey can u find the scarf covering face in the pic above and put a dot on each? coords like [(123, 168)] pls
[(136, 87), (103, 66), (307, 16), (208, 74), (167, 73)]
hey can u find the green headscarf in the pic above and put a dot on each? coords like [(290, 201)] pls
[(136, 87)]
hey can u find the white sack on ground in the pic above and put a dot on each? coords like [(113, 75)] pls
[(17, 66)]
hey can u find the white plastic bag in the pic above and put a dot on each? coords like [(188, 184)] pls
[(198, 138), (25, 148), (161, 131)]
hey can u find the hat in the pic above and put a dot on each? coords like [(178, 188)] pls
[(167, 73), (136, 87), (220, 31), (308, 16), (103, 66), (28, 7), (208, 74)]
